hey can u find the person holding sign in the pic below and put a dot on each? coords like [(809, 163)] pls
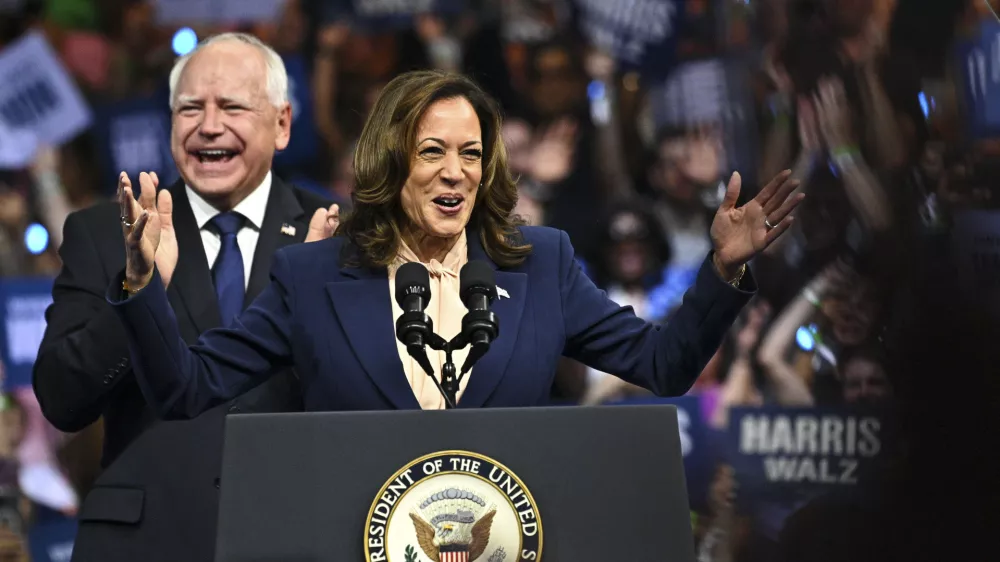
[(433, 189), (220, 228)]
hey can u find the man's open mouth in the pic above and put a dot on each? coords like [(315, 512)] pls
[(214, 155)]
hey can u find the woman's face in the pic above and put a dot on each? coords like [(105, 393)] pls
[(630, 261), (445, 169)]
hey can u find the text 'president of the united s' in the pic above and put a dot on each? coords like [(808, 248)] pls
[(433, 186)]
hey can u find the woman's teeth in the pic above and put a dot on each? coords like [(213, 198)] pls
[(447, 201)]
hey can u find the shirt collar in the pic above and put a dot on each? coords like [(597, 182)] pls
[(253, 206), (452, 264)]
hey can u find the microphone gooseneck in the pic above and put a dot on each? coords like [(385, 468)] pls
[(414, 327), (478, 290)]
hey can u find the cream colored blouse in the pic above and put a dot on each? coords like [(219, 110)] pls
[(446, 311)]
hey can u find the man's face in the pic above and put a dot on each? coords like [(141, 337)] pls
[(225, 128)]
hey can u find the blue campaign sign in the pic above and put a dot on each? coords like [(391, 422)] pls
[(134, 135), (37, 94), (386, 15), (640, 34), (51, 537), (302, 146), (695, 441), (978, 60), (22, 325), (975, 246), (780, 453)]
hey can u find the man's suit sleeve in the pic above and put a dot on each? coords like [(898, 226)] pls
[(664, 359), (83, 353), (180, 381)]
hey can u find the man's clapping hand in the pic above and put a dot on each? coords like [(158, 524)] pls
[(324, 223), (143, 229)]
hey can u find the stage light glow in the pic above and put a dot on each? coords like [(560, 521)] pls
[(185, 40), (36, 238)]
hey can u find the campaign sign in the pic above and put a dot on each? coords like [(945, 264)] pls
[(17, 148), (978, 62), (134, 136), (779, 453), (173, 12), (694, 92), (694, 437), (22, 325), (51, 537), (374, 16), (304, 141), (640, 34), (37, 94), (976, 247)]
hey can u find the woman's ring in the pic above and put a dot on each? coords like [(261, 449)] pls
[(129, 225), (768, 224)]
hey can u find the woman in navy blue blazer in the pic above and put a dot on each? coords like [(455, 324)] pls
[(432, 186)]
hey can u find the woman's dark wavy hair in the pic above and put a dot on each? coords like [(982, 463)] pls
[(382, 164)]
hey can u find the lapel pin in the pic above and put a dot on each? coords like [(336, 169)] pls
[(502, 293), (287, 229)]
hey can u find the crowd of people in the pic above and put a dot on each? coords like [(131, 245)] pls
[(876, 128)]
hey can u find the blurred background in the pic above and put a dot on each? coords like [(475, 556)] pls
[(848, 414)]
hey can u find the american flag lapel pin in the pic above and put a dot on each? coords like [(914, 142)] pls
[(502, 293), (287, 229)]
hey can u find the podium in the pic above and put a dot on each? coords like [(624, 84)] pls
[(467, 485)]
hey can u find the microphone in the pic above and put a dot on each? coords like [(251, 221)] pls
[(478, 289), (414, 327)]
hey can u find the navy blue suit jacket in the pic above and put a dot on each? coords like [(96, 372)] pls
[(335, 325)]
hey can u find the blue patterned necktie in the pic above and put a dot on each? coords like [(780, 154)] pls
[(227, 273)]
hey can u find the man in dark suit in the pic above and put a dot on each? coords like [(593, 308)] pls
[(157, 496)]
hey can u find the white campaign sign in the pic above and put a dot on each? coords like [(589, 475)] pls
[(37, 96), (216, 11), (17, 148)]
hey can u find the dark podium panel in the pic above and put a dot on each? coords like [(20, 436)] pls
[(607, 482)]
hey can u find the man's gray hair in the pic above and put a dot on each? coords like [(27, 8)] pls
[(277, 76)]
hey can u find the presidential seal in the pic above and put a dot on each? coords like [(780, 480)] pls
[(453, 506)]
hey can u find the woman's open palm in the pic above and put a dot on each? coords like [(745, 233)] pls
[(740, 233)]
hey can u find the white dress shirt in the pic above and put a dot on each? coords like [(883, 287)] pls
[(252, 207)]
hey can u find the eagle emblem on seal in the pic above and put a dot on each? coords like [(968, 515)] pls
[(453, 525)]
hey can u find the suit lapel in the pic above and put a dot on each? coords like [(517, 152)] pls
[(283, 211), (489, 370), (191, 285), (365, 314)]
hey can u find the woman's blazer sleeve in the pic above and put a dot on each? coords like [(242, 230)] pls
[(181, 381), (664, 359)]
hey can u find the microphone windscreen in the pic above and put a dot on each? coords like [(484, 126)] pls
[(412, 277), (477, 276)]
